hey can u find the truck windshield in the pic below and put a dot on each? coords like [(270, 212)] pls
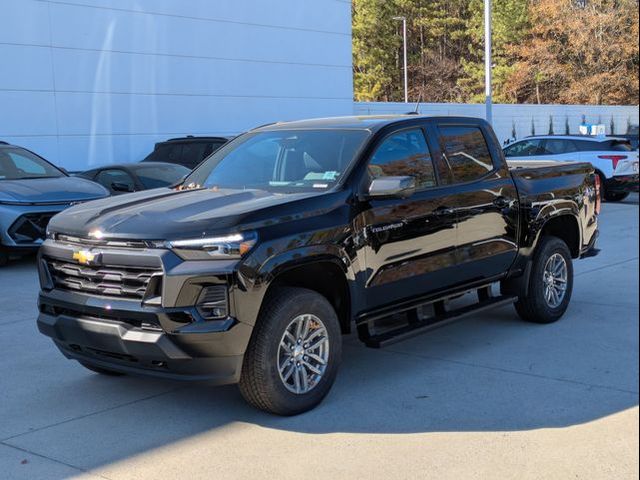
[(286, 161)]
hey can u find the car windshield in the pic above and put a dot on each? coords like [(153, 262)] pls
[(285, 161), (19, 164), (156, 176)]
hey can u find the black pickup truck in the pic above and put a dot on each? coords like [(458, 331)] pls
[(294, 233)]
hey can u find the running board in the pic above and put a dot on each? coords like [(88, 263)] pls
[(443, 317)]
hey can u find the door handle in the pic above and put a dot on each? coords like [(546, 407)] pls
[(501, 202), (444, 211)]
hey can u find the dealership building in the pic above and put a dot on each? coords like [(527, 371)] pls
[(89, 82)]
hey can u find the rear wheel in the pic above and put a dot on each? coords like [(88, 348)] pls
[(100, 370), (615, 196), (4, 259), (550, 283), (293, 356)]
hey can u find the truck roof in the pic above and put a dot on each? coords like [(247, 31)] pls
[(364, 122)]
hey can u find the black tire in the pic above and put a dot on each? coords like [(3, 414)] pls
[(100, 370), (4, 259), (615, 196), (534, 306), (260, 382)]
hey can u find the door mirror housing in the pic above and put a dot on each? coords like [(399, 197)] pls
[(392, 187), (121, 187)]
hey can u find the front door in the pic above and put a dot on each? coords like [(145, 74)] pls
[(408, 244)]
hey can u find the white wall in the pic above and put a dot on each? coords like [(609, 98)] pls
[(86, 82), (506, 117)]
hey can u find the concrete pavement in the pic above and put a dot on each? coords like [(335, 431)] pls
[(489, 397)]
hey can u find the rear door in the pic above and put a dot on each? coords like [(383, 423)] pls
[(408, 244), (485, 199)]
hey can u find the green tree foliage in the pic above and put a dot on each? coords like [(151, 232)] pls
[(580, 51), (510, 24)]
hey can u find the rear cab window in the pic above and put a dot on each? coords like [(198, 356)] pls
[(466, 151)]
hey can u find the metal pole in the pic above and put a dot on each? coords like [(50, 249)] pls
[(487, 61), (406, 76), (404, 51)]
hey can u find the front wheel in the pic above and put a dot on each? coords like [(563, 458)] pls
[(550, 283), (293, 356)]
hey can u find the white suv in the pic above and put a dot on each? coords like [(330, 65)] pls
[(604, 153)]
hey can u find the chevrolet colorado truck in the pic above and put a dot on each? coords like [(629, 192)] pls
[(293, 234)]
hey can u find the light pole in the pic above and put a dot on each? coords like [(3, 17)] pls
[(487, 61), (404, 48)]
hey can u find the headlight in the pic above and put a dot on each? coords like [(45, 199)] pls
[(229, 246)]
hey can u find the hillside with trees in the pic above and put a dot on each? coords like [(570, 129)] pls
[(544, 51)]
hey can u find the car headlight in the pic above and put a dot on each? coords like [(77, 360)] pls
[(228, 246)]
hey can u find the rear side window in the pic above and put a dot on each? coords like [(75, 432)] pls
[(617, 146), (194, 152), (167, 152), (404, 154), (466, 151), (559, 146)]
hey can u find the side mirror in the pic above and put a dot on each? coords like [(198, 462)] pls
[(121, 187), (399, 187)]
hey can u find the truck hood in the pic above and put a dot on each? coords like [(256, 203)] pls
[(166, 213), (50, 190)]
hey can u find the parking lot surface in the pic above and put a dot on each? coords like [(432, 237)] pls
[(488, 397)]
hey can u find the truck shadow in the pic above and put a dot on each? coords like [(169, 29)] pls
[(491, 374)]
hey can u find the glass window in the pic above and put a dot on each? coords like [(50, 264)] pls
[(160, 175), (525, 148), (170, 152), (466, 151), (404, 154), (193, 153), (19, 164), (559, 146), (116, 180), (285, 161)]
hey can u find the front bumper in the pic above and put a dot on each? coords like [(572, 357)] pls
[(157, 336), (22, 227), (622, 183)]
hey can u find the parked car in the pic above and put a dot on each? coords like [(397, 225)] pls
[(33, 190), (133, 177), (291, 233), (625, 176), (603, 153), (187, 151)]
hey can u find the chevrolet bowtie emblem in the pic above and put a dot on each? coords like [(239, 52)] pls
[(84, 257)]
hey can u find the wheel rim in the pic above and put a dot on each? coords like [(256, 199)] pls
[(555, 280), (303, 354)]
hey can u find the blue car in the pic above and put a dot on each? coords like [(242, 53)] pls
[(32, 191)]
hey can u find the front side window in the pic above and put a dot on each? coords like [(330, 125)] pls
[(466, 151), (116, 180), (19, 164), (525, 148), (285, 161), (404, 154), (160, 175)]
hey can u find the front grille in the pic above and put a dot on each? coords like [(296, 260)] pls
[(30, 227), (116, 281)]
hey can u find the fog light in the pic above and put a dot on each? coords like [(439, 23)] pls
[(212, 303)]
